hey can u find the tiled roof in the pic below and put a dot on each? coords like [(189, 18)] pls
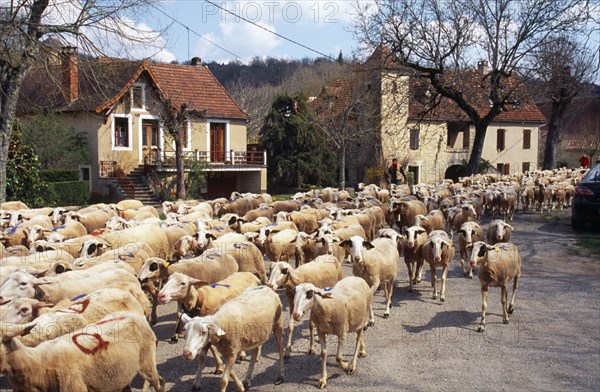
[(333, 100), (473, 88), (102, 82), (99, 81), (197, 87), (523, 109)]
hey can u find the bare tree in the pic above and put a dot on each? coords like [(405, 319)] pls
[(255, 101), (93, 26), (440, 40), (562, 68), (345, 114)]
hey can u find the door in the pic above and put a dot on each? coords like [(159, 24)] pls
[(217, 142), (149, 140)]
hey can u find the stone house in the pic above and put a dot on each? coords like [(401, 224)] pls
[(432, 141), (121, 106)]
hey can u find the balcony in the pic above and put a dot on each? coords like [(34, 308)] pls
[(165, 160)]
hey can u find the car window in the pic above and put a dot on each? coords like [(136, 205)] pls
[(593, 175)]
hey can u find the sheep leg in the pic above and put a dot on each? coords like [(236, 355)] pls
[(218, 360), (311, 331), (388, 289), (148, 370), (511, 308), (248, 378), (340, 350), (359, 347), (411, 276), (178, 326), (484, 299), (201, 358), (323, 380), (443, 292), (278, 332), (419, 272), (503, 300), (229, 361), (290, 330), (433, 285)]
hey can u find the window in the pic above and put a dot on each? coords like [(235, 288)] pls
[(525, 167), (414, 139), (526, 139), (184, 135), (150, 133), (503, 168), (121, 131), (138, 96), (501, 139), (467, 138)]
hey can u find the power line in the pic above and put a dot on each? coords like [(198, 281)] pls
[(270, 31), (199, 35)]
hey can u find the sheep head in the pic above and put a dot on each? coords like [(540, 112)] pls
[(305, 296), (196, 331), (356, 245)]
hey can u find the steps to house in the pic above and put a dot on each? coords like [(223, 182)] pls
[(138, 188)]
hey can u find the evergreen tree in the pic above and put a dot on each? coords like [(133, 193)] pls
[(297, 156), (23, 180)]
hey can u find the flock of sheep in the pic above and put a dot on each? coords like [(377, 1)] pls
[(80, 286)]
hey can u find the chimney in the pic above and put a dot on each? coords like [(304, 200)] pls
[(482, 66), (196, 61), (70, 73)]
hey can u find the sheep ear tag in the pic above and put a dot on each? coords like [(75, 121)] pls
[(497, 249), (166, 264)]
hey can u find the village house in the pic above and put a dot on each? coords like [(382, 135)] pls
[(121, 106), (579, 130), (428, 134)]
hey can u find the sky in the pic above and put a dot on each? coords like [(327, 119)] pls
[(321, 25)]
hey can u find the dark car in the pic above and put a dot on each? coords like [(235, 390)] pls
[(586, 202)]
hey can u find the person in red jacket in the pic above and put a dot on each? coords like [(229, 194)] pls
[(584, 161)]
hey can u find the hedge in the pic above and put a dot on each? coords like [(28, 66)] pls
[(59, 175), (69, 193)]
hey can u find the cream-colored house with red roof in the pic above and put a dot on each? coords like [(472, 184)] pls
[(121, 103)]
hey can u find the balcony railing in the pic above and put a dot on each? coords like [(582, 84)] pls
[(167, 158)]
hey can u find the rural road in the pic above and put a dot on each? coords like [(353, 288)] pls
[(552, 342)]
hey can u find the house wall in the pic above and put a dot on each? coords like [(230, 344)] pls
[(514, 154)]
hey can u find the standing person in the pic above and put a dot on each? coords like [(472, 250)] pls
[(584, 161), (394, 170)]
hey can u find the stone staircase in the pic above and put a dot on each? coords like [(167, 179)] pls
[(137, 188)]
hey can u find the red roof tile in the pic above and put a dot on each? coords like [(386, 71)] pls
[(102, 82)]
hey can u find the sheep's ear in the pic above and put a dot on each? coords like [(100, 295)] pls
[(482, 251), (272, 232), (469, 246), (185, 318), (324, 293), (512, 228), (215, 328), (210, 236), (39, 305), (232, 220), (196, 236), (346, 243), (420, 231), (368, 245), (197, 282)]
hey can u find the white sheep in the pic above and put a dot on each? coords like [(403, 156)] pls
[(244, 323), (345, 308), (469, 233), (120, 345), (438, 251), (199, 298), (377, 263), (324, 271), (499, 264)]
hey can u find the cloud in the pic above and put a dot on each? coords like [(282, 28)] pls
[(243, 39)]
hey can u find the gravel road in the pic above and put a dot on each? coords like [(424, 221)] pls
[(552, 342)]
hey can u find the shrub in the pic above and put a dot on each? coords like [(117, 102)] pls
[(60, 175), (69, 193)]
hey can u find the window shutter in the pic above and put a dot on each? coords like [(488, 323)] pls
[(500, 139), (526, 139), (414, 139)]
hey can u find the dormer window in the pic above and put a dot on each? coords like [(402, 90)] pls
[(138, 96)]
